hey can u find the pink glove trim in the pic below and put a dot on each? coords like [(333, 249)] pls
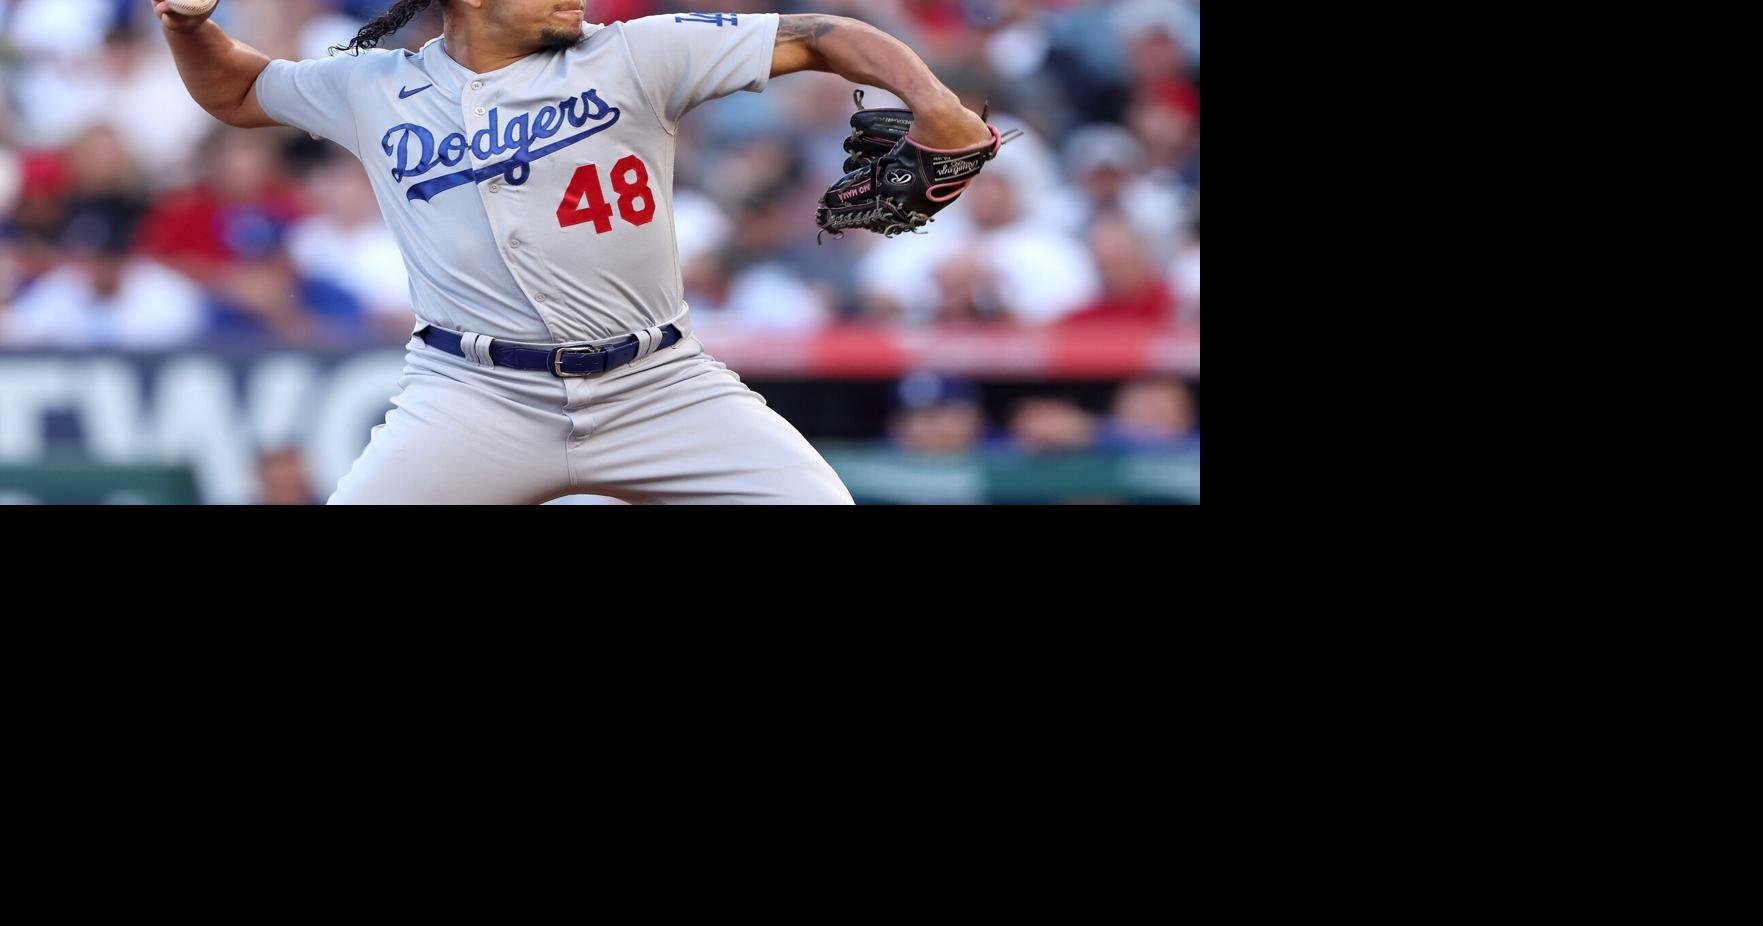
[(996, 143)]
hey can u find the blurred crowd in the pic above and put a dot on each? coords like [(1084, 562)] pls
[(937, 417), (942, 415), (130, 218)]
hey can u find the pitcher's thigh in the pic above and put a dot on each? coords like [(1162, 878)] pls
[(707, 440), (448, 443)]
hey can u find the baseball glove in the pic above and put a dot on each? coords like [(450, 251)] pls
[(874, 132), (893, 184)]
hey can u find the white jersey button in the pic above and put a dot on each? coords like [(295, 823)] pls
[(480, 110), (496, 187), (477, 85), (540, 297), (515, 244)]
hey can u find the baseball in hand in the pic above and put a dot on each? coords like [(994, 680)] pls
[(191, 7)]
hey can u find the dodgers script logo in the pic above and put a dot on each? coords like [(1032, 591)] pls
[(414, 148)]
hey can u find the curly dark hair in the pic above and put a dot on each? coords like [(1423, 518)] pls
[(396, 17)]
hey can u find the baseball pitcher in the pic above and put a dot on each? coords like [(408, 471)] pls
[(524, 163)]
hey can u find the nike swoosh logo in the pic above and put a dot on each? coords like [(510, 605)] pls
[(404, 94)]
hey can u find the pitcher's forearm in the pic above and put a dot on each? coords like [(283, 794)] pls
[(221, 74), (863, 54), (866, 55)]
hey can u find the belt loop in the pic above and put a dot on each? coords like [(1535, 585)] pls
[(476, 348), (647, 340)]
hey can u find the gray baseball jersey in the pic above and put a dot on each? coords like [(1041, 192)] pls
[(535, 202)]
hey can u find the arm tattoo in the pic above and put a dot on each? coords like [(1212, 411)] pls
[(804, 27)]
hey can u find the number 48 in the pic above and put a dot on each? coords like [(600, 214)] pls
[(630, 180)]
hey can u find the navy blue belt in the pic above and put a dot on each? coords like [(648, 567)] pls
[(558, 361)]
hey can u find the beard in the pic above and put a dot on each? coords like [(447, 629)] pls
[(555, 37)]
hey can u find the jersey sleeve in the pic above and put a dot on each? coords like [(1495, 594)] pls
[(683, 59), (312, 95)]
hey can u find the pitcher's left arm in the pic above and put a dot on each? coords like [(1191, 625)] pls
[(863, 54)]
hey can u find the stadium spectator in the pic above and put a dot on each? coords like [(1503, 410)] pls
[(103, 297), (1107, 167), (129, 84), (936, 415), (1050, 425), (39, 214), (1015, 47), (1154, 413), (1133, 288), (765, 296), (1171, 138), (967, 290), (228, 232), (700, 225), (1036, 274), (282, 478), (1161, 38), (347, 257), (98, 167), (57, 30), (237, 210)]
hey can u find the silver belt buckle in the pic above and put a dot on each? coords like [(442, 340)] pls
[(557, 360)]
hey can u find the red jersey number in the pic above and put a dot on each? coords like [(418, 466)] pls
[(585, 200)]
